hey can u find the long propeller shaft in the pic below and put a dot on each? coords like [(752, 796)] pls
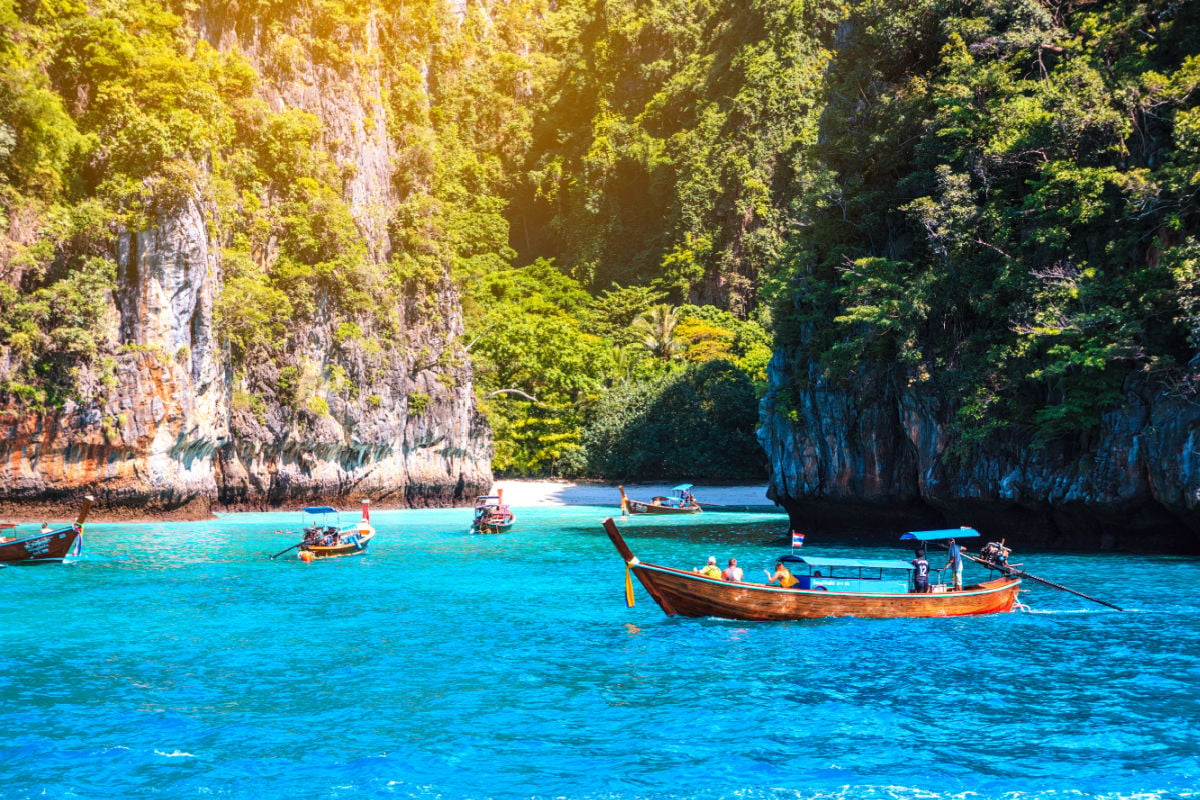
[(1052, 584)]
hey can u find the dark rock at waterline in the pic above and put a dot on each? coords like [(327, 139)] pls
[(878, 454)]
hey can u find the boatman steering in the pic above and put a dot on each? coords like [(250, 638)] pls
[(955, 561)]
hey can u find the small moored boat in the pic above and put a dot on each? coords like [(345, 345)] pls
[(831, 588), (324, 537), (492, 515), (681, 501), (46, 546)]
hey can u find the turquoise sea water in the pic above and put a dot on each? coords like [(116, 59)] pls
[(178, 661)]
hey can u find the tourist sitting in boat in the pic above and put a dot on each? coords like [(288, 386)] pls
[(322, 537), (782, 574), (711, 570), (733, 572)]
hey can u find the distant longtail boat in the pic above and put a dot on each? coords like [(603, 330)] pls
[(46, 546), (492, 515), (323, 539), (681, 501)]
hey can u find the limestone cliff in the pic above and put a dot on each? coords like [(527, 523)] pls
[(177, 431), (408, 433), (878, 454), (149, 448)]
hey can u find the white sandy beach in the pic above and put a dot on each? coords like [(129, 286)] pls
[(566, 493)]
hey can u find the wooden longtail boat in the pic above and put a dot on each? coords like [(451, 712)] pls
[(680, 502), (47, 546), (690, 594), (332, 540), (492, 515)]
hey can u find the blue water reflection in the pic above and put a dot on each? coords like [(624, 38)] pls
[(178, 660)]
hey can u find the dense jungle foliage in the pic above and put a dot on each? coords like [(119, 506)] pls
[(996, 199), (1003, 200)]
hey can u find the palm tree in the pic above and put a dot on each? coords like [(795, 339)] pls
[(657, 329)]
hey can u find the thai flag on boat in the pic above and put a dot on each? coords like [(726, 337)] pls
[(797, 539)]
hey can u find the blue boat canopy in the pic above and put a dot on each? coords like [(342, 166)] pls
[(949, 533), (683, 487), (830, 563), (319, 510)]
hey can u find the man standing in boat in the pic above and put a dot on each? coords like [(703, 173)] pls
[(956, 562), (920, 573)]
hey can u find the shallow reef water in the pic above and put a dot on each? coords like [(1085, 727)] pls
[(178, 660)]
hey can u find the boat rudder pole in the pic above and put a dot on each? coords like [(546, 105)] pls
[(281, 552), (1054, 585), (1051, 584)]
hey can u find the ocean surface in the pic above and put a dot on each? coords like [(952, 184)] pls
[(180, 661)]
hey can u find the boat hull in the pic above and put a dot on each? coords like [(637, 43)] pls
[(489, 527), (687, 594), (44, 548), (639, 507)]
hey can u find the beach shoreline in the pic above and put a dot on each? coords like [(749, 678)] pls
[(517, 493), (569, 493)]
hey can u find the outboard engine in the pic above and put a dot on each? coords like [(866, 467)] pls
[(996, 554)]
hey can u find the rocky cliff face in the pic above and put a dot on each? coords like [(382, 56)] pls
[(879, 455), (408, 434), (176, 436), (149, 448)]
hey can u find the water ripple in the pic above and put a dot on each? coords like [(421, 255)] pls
[(179, 660)]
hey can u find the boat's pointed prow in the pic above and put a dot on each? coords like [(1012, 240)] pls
[(88, 500), (366, 511), (618, 540)]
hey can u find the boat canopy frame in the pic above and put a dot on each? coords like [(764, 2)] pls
[(948, 533), (850, 563), (852, 574), (319, 510)]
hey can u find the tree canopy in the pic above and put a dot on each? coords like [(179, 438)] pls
[(998, 200)]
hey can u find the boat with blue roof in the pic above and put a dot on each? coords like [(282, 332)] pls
[(680, 501), (823, 587), (325, 537)]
